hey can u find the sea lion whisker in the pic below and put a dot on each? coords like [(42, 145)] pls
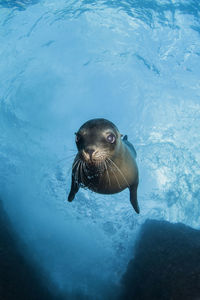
[(75, 163), (119, 171), (72, 150), (114, 175), (103, 167), (65, 158), (107, 173)]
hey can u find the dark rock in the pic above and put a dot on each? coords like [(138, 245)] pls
[(166, 264), (19, 278)]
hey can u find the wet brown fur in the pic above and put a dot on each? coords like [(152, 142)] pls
[(110, 168)]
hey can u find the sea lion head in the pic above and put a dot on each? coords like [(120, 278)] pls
[(96, 140)]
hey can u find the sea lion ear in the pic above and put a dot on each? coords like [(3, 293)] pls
[(75, 133), (125, 138)]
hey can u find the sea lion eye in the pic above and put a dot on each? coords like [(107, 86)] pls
[(111, 138)]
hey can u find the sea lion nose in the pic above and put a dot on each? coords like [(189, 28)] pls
[(90, 152)]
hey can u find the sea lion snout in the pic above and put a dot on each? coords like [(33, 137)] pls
[(88, 153), (91, 155)]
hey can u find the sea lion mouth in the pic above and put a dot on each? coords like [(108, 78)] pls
[(93, 162)]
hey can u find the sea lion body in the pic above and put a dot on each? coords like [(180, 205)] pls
[(105, 162), (109, 181)]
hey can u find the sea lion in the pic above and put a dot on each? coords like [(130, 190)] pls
[(105, 163)]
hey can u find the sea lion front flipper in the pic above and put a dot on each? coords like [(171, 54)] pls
[(74, 189), (133, 198)]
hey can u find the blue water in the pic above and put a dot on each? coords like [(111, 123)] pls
[(136, 63)]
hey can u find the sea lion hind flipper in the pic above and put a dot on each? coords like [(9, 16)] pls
[(133, 198), (74, 189)]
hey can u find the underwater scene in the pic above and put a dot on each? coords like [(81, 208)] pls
[(135, 63)]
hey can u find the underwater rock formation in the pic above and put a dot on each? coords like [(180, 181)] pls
[(19, 278), (166, 263)]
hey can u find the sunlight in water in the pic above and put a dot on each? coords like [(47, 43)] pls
[(135, 63)]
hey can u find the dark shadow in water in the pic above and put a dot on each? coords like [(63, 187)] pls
[(166, 264), (19, 278)]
